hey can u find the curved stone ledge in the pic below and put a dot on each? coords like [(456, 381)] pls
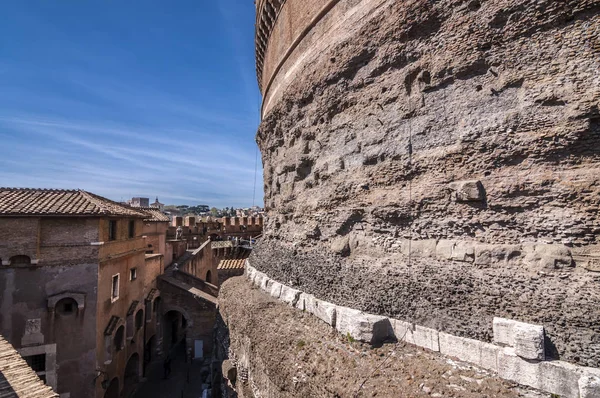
[(508, 360)]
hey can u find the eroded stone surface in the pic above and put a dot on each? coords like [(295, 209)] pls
[(360, 147)]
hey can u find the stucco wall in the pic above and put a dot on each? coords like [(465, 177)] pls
[(26, 320)]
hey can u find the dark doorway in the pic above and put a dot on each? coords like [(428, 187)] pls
[(174, 325), (132, 374), (113, 389)]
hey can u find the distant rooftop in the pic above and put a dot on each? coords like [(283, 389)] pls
[(17, 379), (153, 214), (59, 202)]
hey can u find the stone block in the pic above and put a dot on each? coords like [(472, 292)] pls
[(361, 326), (479, 353), (416, 334), (304, 301), (543, 256), (503, 331), (494, 254), (323, 310), (589, 386), (468, 191), (419, 248), (341, 246), (266, 284), (289, 295), (258, 278), (250, 272), (527, 339), (275, 289), (463, 251), (556, 377), (444, 248)]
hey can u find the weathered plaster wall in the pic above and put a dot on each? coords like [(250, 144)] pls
[(438, 162), (156, 235), (198, 312)]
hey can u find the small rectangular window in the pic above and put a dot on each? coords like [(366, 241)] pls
[(115, 288), (131, 228), (37, 362), (133, 274), (112, 230)]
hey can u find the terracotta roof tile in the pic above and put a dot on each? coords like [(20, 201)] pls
[(17, 379), (59, 202), (232, 264), (153, 215)]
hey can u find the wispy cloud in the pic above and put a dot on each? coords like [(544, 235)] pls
[(118, 118)]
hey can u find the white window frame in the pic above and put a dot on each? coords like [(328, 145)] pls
[(114, 298), (133, 273)]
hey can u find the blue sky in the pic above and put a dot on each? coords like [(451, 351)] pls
[(131, 98)]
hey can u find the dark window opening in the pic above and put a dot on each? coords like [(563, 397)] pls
[(131, 228), (66, 307), (139, 319), (208, 277), (156, 305), (133, 274), (20, 260), (119, 338), (37, 362), (115, 287), (112, 230)]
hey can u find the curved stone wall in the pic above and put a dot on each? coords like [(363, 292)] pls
[(439, 162)]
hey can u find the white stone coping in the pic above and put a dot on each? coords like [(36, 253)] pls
[(508, 358)]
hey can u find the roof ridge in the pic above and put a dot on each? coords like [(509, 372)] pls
[(89, 196), (56, 202), (98, 201), (38, 189)]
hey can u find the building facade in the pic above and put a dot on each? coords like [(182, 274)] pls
[(79, 301)]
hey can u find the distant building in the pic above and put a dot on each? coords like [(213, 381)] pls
[(140, 202), (158, 205)]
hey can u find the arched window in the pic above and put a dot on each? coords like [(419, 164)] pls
[(66, 307), (208, 277), (20, 260), (118, 340), (139, 319)]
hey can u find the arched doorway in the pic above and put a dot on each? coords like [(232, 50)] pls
[(132, 374), (208, 276), (113, 389)]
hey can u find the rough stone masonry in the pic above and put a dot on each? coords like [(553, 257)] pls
[(437, 161)]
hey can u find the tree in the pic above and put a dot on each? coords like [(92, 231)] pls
[(214, 212)]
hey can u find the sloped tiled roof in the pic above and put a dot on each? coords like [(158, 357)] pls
[(59, 202), (153, 214), (17, 379), (232, 264)]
